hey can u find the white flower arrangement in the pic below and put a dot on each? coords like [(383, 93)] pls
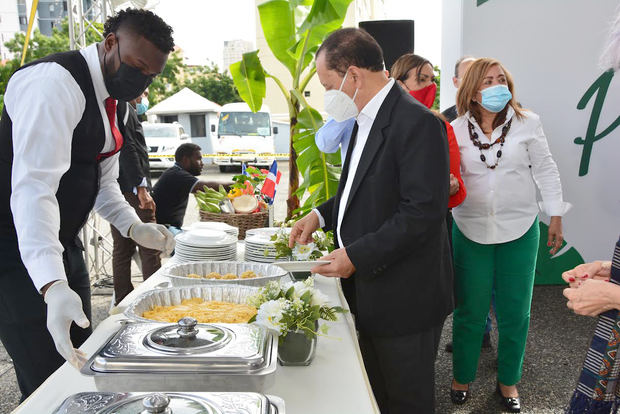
[(323, 242), (293, 307)]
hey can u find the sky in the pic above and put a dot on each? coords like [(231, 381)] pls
[(202, 26)]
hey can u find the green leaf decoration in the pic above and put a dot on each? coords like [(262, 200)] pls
[(306, 297), (549, 268), (289, 293), (249, 78)]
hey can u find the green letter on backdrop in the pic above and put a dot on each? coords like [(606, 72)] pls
[(599, 87)]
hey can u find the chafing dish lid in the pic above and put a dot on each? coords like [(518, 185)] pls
[(184, 347), (165, 403), (187, 337)]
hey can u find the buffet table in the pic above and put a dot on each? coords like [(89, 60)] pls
[(335, 382)]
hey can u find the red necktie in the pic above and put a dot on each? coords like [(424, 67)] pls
[(110, 109)]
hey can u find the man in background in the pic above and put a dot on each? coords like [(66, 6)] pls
[(176, 184), (134, 179), (460, 67)]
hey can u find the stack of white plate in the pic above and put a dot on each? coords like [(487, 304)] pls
[(203, 244), (213, 225), (258, 245)]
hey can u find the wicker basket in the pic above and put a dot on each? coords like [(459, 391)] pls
[(243, 222)]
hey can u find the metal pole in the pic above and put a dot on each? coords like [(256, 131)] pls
[(96, 244), (82, 39), (71, 17), (85, 243)]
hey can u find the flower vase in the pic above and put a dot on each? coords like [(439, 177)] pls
[(301, 275), (296, 349)]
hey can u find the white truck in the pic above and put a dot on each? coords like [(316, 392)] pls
[(243, 137), (163, 140)]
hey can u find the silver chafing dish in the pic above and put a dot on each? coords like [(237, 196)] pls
[(171, 403), (174, 296), (266, 273), (185, 357)]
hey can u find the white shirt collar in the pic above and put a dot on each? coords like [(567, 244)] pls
[(91, 54), (509, 114), (369, 112)]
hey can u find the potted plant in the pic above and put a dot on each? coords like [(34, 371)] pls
[(293, 310)]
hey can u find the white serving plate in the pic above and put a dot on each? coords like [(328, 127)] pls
[(301, 266)]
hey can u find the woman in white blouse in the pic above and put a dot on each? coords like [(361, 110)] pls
[(504, 157)]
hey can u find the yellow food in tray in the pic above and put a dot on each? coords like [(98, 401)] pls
[(203, 311), (248, 274)]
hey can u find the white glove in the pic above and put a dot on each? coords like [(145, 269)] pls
[(152, 236), (63, 307)]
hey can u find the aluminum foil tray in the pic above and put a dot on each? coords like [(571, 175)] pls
[(175, 295), (266, 273)]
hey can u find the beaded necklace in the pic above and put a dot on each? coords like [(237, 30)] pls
[(473, 135)]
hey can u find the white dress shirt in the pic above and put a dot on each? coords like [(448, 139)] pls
[(45, 104), (365, 119), (501, 203)]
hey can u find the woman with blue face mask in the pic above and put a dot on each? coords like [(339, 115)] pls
[(504, 159)]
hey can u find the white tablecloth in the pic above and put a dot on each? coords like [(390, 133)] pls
[(335, 382)]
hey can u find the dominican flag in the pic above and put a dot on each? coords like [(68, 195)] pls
[(273, 178)]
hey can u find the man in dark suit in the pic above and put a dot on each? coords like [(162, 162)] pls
[(460, 67), (134, 178), (389, 221)]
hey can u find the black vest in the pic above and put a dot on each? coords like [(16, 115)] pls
[(79, 186)]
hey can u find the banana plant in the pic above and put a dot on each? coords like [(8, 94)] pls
[(294, 29)]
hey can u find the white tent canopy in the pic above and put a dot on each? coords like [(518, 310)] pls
[(182, 102)]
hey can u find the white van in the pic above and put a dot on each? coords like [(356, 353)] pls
[(243, 136), (163, 141)]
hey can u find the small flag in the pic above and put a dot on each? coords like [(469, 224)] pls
[(243, 171), (273, 178)]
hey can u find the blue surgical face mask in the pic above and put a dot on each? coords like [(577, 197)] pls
[(142, 107), (495, 98)]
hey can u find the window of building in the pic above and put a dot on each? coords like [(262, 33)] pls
[(198, 126), (168, 119)]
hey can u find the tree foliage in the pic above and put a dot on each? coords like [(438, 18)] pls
[(207, 81)]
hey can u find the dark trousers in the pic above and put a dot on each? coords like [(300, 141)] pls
[(23, 314), (125, 248), (401, 370)]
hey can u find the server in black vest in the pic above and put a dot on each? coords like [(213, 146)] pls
[(388, 218), (59, 138)]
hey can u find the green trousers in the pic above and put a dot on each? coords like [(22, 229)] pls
[(479, 268)]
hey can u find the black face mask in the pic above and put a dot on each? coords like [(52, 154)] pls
[(127, 83)]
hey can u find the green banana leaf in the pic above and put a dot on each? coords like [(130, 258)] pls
[(549, 269), (277, 18), (319, 171), (324, 17), (293, 30), (249, 78)]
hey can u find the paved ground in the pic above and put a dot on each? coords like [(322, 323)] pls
[(556, 346)]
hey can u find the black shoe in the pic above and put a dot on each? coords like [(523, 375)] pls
[(511, 404), (459, 397), (449, 347), (486, 341)]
